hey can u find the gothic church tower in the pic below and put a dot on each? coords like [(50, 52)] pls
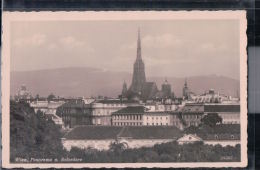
[(139, 73)]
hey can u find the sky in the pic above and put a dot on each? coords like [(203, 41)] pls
[(170, 48)]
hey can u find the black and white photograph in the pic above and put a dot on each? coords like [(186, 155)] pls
[(124, 89)]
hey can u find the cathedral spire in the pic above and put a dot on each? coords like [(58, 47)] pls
[(139, 71), (139, 53), (185, 84)]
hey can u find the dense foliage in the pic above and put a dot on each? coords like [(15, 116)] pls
[(167, 152), (211, 119), (33, 135)]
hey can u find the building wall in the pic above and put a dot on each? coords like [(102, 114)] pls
[(138, 143), (161, 107), (175, 121), (101, 120), (104, 144), (102, 112), (85, 144), (229, 117), (156, 119), (192, 119), (127, 119)]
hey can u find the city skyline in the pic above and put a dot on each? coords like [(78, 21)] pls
[(56, 49)]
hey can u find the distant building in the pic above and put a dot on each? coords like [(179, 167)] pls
[(186, 93), (101, 110), (167, 90), (162, 105), (129, 116), (188, 139), (224, 135), (192, 114), (124, 90), (100, 137), (75, 112), (141, 89), (212, 97), (139, 78), (230, 113), (23, 94), (157, 119)]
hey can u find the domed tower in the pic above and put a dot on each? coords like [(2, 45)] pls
[(166, 89), (185, 91)]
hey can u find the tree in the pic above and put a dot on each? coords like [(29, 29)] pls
[(211, 119), (33, 135)]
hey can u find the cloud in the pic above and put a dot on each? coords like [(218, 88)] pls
[(71, 41), (161, 41), (34, 40)]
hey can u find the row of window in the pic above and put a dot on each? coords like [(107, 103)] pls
[(156, 124), (127, 124), (114, 105), (191, 116), (156, 117), (127, 117)]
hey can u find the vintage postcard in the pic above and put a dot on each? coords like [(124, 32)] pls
[(124, 89)]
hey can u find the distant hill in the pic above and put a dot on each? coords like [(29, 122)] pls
[(93, 82)]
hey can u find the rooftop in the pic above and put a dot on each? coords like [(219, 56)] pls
[(222, 108), (113, 132), (131, 109), (114, 101)]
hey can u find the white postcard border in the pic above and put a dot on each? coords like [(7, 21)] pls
[(8, 17)]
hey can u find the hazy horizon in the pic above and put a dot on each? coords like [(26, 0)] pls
[(100, 69), (169, 48)]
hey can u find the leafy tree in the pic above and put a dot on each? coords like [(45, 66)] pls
[(211, 119), (33, 135)]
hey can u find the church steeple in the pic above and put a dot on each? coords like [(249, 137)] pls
[(139, 51), (185, 84), (139, 72), (124, 90)]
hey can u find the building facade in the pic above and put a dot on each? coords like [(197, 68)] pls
[(230, 113), (74, 113), (129, 116), (101, 110), (157, 119)]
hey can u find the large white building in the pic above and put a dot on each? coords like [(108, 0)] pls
[(101, 137)]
